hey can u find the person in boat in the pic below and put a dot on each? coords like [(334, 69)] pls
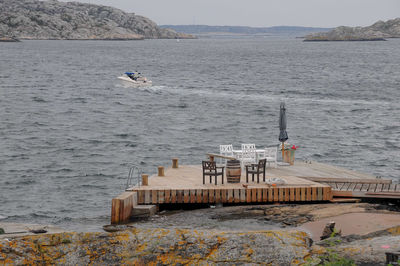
[(135, 76), (132, 75), (141, 78)]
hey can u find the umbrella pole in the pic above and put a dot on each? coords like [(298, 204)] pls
[(283, 150)]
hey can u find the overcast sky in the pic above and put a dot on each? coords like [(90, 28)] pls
[(261, 13)]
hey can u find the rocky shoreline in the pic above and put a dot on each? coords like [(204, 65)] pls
[(8, 39), (222, 235), (54, 20), (352, 39), (157, 246), (379, 31)]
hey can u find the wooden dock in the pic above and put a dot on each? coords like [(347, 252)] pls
[(361, 188), (345, 183), (184, 185), (304, 182)]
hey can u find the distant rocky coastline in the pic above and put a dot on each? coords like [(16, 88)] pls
[(207, 31), (44, 20), (379, 31), (8, 39)]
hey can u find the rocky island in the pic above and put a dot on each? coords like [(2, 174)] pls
[(44, 20), (379, 31)]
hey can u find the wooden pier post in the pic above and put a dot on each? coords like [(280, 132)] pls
[(161, 171), (174, 162), (145, 180), (121, 207)]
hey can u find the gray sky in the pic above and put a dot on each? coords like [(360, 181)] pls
[(260, 13)]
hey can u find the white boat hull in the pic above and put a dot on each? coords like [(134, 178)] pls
[(136, 82)]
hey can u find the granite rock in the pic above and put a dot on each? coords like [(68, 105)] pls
[(377, 32), (33, 19), (158, 246)]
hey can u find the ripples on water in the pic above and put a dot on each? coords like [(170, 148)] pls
[(70, 130)]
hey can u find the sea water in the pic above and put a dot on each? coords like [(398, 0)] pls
[(70, 130)]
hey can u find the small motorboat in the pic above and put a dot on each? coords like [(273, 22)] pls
[(135, 78)]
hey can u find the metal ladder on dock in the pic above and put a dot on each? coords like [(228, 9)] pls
[(134, 177)]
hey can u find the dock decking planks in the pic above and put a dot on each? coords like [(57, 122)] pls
[(360, 188)]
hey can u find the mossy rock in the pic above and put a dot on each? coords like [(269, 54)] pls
[(2, 231)]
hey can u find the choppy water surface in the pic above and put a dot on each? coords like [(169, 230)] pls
[(70, 130)]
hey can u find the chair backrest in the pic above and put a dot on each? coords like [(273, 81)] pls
[(271, 152), (249, 151), (226, 150), (262, 163), (210, 166)]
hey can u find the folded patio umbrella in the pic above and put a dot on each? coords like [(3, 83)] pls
[(283, 136)]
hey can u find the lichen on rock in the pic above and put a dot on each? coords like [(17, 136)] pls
[(158, 246)]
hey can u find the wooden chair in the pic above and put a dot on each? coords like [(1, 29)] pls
[(211, 169), (256, 169)]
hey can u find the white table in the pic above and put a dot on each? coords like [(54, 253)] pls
[(237, 153)]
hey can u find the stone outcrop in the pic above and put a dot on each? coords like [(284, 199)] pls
[(377, 32), (191, 247), (163, 241), (33, 19), (8, 39), (158, 246), (366, 249)]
